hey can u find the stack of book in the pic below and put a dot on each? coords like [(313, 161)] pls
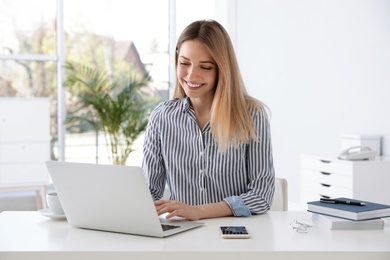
[(345, 213)]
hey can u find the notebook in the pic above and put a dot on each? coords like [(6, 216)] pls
[(371, 210), (110, 198), (335, 223)]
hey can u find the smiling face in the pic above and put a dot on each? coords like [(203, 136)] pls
[(196, 71)]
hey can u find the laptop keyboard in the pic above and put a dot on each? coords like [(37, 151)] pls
[(166, 227)]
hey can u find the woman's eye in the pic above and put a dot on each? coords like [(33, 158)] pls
[(184, 64), (206, 68)]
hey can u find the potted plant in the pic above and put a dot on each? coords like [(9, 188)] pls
[(115, 106)]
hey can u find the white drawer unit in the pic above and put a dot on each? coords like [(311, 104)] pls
[(23, 174), (24, 141), (331, 178)]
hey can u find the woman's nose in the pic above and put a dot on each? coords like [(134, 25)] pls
[(192, 72)]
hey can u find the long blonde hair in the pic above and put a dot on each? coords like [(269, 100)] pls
[(230, 119)]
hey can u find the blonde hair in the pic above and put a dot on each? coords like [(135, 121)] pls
[(230, 119)]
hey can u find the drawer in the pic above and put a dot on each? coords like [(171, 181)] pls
[(330, 166), (24, 152), (23, 173), (327, 178), (325, 190), (24, 119)]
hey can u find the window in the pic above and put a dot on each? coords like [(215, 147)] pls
[(117, 37), (138, 33)]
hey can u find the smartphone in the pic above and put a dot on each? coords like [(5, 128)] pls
[(234, 232)]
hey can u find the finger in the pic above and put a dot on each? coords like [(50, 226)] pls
[(175, 213), (168, 206), (174, 208), (170, 215), (164, 208), (160, 202)]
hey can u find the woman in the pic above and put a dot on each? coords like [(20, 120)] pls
[(211, 144)]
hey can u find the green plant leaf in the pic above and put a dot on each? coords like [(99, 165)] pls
[(115, 106)]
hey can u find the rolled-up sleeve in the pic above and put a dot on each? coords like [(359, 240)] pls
[(238, 206)]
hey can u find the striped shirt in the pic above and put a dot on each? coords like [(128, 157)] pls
[(179, 153)]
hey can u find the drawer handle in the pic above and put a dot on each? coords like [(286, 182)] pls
[(325, 173), (325, 161), (325, 185), (324, 196)]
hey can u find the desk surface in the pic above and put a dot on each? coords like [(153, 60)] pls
[(28, 235)]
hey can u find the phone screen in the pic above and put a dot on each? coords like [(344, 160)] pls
[(234, 232)]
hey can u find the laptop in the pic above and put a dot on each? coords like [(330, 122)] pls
[(110, 198)]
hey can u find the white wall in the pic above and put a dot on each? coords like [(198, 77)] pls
[(323, 67)]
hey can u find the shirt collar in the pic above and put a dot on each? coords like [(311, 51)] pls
[(186, 104), (187, 108)]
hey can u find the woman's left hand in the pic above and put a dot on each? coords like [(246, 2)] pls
[(177, 209)]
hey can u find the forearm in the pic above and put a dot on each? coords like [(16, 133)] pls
[(215, 210)]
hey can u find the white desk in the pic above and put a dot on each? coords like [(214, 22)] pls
[(28, 235)]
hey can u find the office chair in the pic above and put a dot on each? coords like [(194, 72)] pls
[(280, 202)]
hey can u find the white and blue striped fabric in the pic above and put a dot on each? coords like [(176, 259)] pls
[(179, 153)]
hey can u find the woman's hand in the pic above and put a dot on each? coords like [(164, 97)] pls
[(177, 209)]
